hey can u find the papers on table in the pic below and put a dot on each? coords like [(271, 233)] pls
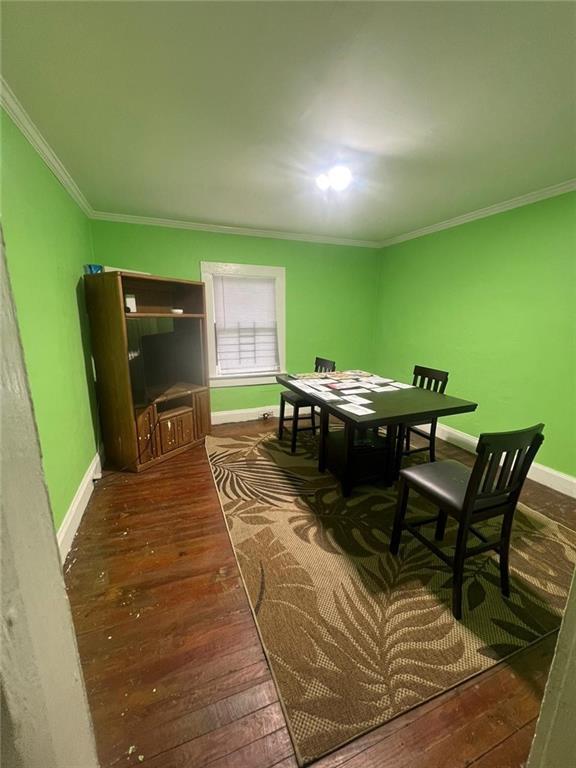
[(319, 382), (303, 387), (327, 396), (357, 373), (359, 410), (335, 386), (376, 380), (345, 384), (356, 399)]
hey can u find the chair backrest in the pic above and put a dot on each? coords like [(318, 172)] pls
[(324, 366), (430, 378), (502, 463)]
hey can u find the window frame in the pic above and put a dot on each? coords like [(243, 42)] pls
[(210, 269)]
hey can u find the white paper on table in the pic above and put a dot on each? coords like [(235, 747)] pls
[(357, 391), (320, 386), (328, 396), (377, 380), (385, 389), (356, 399), (359, 410), (303, 387), (347, 382), (401, 385)]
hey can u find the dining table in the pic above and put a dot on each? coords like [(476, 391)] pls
[(352, 444)]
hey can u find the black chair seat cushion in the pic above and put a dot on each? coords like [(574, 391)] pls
[(294, 399), (444, 482)]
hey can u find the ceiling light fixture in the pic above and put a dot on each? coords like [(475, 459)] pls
[(337, 178)]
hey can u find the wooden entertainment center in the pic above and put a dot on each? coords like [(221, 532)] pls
[(149, 347)]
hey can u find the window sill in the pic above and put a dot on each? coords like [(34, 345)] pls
[(244, 380)]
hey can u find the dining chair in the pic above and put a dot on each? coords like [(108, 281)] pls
[(490, 489), (321, 365), (436, 381)]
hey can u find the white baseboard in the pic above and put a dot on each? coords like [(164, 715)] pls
[(558, 481), (245, 414), (450, 435), (73, 516)]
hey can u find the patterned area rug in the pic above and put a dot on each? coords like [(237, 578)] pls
[(354, 635)]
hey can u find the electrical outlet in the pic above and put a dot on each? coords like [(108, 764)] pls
[(267, 415)]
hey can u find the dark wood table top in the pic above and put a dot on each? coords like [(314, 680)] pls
[(400, 406)]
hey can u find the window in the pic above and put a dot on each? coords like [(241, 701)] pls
[(245, 306)]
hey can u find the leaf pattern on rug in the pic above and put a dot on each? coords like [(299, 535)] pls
[(377, 644), (340, 525), (244, 474), (353, 634)]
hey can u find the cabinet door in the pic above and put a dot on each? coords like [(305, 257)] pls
[(202, 413), (168, 435), (186, 429), (145, 430)]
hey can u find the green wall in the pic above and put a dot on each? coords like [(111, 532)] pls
[(331, 291), (494, 303), (47, 240)]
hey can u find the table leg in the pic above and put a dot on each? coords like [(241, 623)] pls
[(395, 437), (348, 457), (390, 460), (399, 450), (324, 420)]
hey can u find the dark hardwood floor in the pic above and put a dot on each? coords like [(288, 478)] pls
[(175, 673)]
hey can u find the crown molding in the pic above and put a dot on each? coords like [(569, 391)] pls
[(26, 125), (226, 230), (24, 122), (482, 213)]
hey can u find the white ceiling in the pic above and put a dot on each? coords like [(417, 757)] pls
[(223, 113)]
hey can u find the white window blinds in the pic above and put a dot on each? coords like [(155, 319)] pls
[(245, 324)]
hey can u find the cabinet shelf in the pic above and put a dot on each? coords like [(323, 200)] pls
[(152, 375)]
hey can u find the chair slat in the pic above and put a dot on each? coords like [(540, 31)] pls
[(493, 489), (434, 380), (505, 471), (490, 475), (323, 365), (518, 466)]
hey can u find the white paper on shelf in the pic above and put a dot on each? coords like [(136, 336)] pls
[(357, 391), (359, 410), (386, 389), (401, 385), (356, 399)]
